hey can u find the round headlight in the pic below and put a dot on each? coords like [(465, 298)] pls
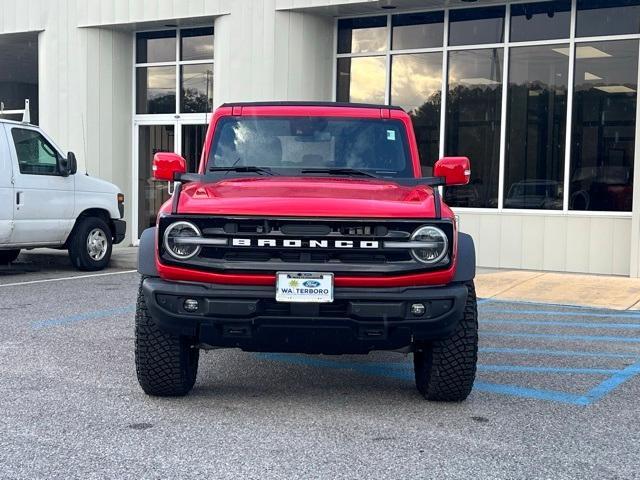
[(177, 238), (436, 245)]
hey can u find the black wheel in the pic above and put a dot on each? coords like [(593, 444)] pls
[(166, 365), (8, 256), (445, 369), (90, 244)]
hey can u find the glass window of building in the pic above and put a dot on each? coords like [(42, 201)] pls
[(604, 125), (540, 21), (416, 86), (156, 47), (196, 44), (536, 128), (196, 88), (607, 17), (417, 30), (473, 120), (361, 35), (159, 64), (19, 73), (361, 79), (156, 89), (476, 26)]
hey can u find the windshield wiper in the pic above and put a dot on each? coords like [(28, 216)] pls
[(339, 171), (242, 169)]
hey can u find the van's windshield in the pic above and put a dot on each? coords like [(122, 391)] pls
[(281, 144)]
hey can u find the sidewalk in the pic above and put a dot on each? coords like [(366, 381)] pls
[(599, 291)]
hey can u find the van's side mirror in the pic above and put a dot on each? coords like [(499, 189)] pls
[(454, 170), (68, 166), (167, 165), (72, 163)]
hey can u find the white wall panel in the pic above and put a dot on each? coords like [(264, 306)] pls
[(262, 54), (532, 244), (555, 243), (578, 244), (572, 243), (511, 241)]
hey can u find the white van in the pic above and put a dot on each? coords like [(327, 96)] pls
[(45, 203)]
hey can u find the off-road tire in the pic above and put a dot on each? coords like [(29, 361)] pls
[(77, 244), (8, 256), (445, 369), (166, 365)]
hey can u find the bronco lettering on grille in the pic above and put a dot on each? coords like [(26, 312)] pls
[(296, 243)]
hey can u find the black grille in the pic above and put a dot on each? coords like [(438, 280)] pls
[(266, 258)]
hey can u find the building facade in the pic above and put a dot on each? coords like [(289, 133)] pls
[(541, 95)]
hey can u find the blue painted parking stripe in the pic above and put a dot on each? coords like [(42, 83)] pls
[(483, 368), (528, 369), (564, 306), (562, 313), (543, 305), (551, 336), (544, 323), (613, 382), (376, 370), (489, 387), (81, 317), (558, 353)]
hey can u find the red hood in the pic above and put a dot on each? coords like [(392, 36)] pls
[(294, 196)]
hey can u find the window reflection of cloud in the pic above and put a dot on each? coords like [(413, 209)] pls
[(475, 64), (161, 78), (369, 40), (367, 79), (416, 78)]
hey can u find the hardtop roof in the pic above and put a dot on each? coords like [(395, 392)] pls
[(311, 104)]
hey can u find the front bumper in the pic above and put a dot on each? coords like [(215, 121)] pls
[(358, 321), (119, 230)]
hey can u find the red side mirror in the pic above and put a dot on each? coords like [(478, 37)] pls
[(166, 165), (454, 170)]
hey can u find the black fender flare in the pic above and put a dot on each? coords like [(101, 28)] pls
[(466, 268), (147, 253)]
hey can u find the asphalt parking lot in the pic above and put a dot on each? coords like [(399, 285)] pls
[(556, 397)]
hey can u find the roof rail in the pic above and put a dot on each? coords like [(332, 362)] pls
[(26, 116)]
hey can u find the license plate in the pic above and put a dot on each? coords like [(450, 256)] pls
[(304, 287)]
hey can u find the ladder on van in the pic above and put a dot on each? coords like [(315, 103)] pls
[(26, 116)]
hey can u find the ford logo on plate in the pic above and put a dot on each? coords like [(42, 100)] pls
[(311, 284)]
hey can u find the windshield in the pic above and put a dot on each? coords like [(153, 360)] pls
[(376, 146)]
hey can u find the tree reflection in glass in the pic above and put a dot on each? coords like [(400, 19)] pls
[(474, 101), (416, 86)]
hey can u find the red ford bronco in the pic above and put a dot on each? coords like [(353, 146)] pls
[(308, 228)]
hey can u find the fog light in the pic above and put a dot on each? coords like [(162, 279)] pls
[(418, 309), (191, 305)]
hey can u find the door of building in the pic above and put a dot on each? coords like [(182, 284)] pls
[(185, 137)]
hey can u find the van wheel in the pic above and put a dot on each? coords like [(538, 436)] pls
[(8, 256), (90, 244), (166, 365), (445, 369)]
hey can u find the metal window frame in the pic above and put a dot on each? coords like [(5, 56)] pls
[(177, 64), (177, 119), (572, 41)]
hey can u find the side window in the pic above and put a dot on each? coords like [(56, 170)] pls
[(36, 156)]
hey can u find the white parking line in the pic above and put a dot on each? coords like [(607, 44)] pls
[(31, 282)]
